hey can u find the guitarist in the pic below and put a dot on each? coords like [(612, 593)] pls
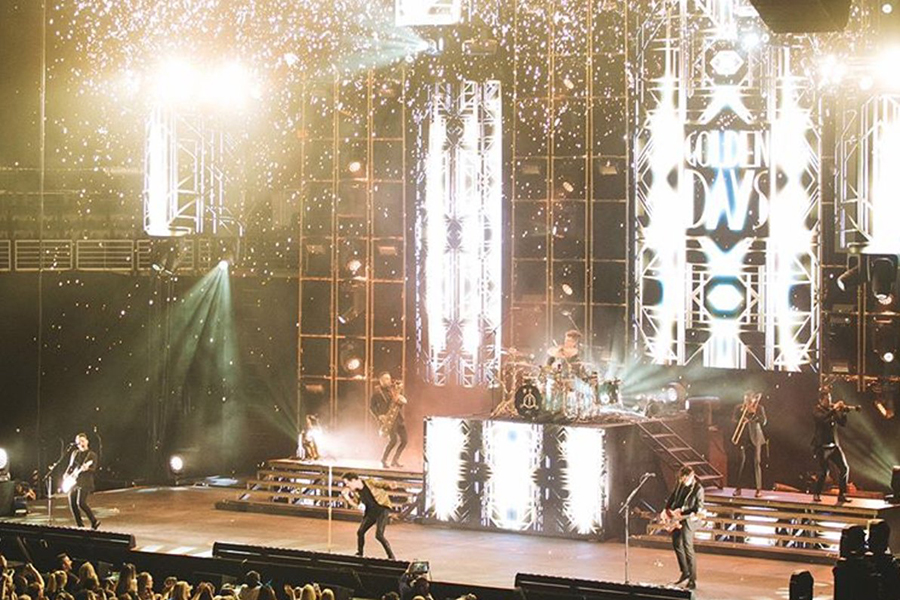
[(385, 395), (686, 500), (82, 464)]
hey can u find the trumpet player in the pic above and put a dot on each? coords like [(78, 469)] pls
[(826, 448), (387, 405), (749, 418)]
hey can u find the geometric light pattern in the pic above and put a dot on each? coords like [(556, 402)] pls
[(444, 447), (512, 476), (458, 241), (727, 193), (513, 453), (585, 478)]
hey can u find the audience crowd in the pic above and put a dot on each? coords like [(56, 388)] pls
[(68, 582)]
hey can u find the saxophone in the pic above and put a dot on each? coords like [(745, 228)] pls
[(389, 419)]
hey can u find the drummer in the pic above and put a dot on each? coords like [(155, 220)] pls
[(567, 355)]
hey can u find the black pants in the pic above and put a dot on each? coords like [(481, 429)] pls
[(398, 434), (757, 464), (379, 518), (683, 543), (836, 457), (78, 502)]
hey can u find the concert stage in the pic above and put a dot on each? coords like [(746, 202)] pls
[(184, 521)]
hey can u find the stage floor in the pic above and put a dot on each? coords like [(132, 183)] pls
[(184, 521)]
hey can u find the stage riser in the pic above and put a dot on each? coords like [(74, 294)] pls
[(290, 487), (802, 530)]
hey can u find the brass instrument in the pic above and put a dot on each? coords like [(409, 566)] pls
[(841, 406), (387, 421), (749, 409)]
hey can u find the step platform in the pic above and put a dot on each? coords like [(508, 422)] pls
[(780, 525), (290, 486)]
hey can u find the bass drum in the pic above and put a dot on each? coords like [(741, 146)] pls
[(529, 400)]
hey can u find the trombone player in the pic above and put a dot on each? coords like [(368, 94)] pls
[(749, 418)]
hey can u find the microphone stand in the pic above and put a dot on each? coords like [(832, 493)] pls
[(48, 479), (625, 510)]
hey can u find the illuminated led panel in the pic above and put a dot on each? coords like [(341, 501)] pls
[(445, 442), (459, 248), (585, 478), (726, 192), (512, 452)]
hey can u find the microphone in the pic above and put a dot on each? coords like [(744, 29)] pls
[(648, 475)]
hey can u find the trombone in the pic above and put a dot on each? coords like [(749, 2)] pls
[(749, 409)]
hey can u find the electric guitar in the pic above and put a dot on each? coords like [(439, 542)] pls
[(668, 521), (71, 479)]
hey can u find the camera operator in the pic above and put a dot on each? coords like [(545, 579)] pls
[(416, 581)]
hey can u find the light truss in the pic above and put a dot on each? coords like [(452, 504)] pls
[(190, 185), (727, 192), (459, 242), (868, 178)]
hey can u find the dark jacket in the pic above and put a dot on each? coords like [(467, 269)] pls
[(688, 499), (86, 478), (380, 404), (827, 419), (754, 428)]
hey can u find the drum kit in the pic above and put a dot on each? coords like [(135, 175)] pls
[(563, 387)]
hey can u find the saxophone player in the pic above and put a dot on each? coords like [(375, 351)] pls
[(749, 418), (385, 400)]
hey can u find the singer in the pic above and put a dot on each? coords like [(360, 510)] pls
[(79, 480)]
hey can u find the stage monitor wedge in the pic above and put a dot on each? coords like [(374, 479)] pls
[(803, 16)]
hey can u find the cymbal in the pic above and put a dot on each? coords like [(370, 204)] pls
[(516, 352)]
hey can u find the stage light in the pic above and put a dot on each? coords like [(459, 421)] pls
[(886, 67), (888, 356), (227, 86), (176, 464), (675, 392), (568, 83), (4, 465), (887, 8), (895, 483), (885, 407), (883, 276), (849, 279), (751, 40), (223, 265), (567, 289), (354, 166), (351, 359), (353, 266), (566, 185)]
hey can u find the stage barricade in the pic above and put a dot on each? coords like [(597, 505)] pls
[(36, 543), (543, 587)]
